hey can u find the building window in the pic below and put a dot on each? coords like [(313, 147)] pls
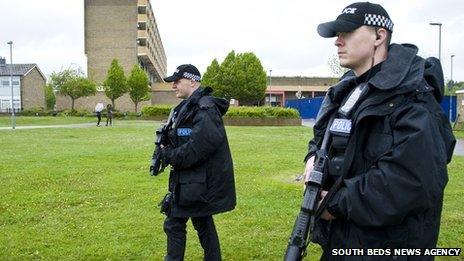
[(5, 105), (142, 25), (142, 9), (6, 83), (142, 41)]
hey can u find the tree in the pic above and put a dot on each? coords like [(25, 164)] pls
[(138, 86), (251, 79), (239, 76), (115, 84), (452, 86), (210, 77), (77, 87), (227, 78), (336, 68), (57, 79), (50, 98)]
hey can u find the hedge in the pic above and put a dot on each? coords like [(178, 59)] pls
[(163, 111), (156, 110), (242, 112), (262, 112)]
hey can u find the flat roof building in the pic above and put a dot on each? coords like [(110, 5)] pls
[(126, 30)]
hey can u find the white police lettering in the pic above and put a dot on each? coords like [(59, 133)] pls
[(349, 10), (341, 125), (184, 132), (351, 101)]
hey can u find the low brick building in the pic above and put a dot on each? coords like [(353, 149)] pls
[(279, 88), (28, 86), (282, 88)]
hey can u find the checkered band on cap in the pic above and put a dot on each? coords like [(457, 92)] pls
[(191, 76), (378, 20)]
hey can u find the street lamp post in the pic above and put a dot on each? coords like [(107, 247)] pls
[(270, 84), (451, 86), (13, 123), (439, 39)]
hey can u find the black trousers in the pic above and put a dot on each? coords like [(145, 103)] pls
[(175, 229), (99, 118)]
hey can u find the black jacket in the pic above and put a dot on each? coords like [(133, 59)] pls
[(202, 175), (395, 162)]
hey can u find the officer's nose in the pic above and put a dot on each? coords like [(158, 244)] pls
[(338, 41)]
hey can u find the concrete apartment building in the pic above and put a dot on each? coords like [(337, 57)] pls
[(122, 29), (28, 86)]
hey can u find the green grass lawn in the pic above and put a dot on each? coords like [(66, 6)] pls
[(459, 134), (85, 193)]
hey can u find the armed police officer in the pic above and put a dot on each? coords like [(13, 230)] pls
[(201, 181), (390, 140)]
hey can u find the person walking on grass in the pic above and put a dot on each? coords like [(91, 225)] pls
[(201, 181), (109, 115), (98, 109)]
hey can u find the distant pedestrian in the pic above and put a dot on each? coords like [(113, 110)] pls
[(98, 109), (109, 114)]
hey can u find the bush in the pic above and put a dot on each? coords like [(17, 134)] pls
[(262, 112), (76, 113), (156, 110), (35, 111), (242, 111)]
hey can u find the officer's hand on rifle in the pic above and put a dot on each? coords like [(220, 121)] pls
[(308, 168), (325, 214)]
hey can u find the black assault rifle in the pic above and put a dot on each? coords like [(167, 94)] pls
[(304, 224), (157, 164)]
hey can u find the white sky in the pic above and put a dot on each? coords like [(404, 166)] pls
[(281, 33)]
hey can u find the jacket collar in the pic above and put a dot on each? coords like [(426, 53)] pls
[(197, 94), (400, 66)]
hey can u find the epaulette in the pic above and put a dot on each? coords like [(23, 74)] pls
[(205, 102)]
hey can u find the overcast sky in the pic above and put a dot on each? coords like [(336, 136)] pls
[(281, 33)]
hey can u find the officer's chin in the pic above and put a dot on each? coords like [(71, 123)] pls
[(180, 96)]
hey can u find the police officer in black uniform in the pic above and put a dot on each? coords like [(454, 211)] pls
[(201, 181), (390, 142)]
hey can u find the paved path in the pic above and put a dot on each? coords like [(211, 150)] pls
[(459, 149), (80, 125)]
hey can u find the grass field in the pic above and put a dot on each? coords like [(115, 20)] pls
[(85, 193)]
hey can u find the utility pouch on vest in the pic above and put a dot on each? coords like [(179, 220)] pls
[(165, 204)]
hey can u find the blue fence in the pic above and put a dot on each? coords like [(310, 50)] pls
[(308, 108), (445, 105)]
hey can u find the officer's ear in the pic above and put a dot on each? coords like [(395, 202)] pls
[(192, 83), (380, 36)]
